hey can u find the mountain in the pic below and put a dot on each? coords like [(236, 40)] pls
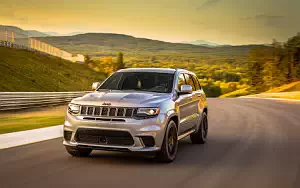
[(201, 43), (20, 33), (108, 44), (35, 33), (59, 34)]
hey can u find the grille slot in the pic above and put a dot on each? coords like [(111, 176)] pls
[(90, 111), (112, 111), (97, 111), (104, 111), (107, 111), (104, 137), (128, 112)]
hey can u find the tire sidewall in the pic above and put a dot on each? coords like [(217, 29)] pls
[(171, 124)]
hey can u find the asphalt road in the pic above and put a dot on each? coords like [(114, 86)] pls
[(252, 143)]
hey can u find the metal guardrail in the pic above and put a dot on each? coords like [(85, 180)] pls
[(23, 100)]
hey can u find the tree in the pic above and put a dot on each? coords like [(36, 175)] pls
[(120, 61)]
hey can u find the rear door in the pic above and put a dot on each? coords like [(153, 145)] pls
[(199, 96)]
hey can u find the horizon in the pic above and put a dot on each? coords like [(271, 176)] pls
[(74, 33), (219, 21)]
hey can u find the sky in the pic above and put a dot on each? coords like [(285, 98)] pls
[(233, 22)]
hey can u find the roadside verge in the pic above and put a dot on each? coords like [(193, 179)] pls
[(30, 136)]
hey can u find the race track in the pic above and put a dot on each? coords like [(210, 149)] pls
[(252, 143)]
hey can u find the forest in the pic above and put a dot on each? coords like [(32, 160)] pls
[(262, 68)]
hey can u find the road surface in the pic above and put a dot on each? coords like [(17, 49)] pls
[(252, 143)]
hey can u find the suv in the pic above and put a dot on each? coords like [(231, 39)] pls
[(140, 110)]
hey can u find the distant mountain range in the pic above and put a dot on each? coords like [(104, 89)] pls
[(108, 44), (67, 34), (20, 33), (201, 43)]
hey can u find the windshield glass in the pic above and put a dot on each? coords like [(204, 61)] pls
[(141, 81)]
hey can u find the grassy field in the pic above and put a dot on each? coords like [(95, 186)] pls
[(294, 86), (21, 70), (36, 118), (237, 93)]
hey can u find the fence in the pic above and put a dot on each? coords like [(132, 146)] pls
[(23, 100), (15, 39)]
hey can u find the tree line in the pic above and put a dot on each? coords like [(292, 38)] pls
[(272, 66)]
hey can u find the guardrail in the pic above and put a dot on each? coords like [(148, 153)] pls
[(23, 100)]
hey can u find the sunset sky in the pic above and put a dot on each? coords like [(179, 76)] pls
[(221, 21)]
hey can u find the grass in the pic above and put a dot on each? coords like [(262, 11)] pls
[(33, 119), (294, 86), (22, 70), (14, 124), (293, 95), (237, 93)]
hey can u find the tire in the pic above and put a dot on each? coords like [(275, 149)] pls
[(170, 144), (78, 152), (200, 136)]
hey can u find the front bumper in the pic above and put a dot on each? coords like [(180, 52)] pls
[(154, 127)]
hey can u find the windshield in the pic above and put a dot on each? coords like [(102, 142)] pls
[(141, 81)]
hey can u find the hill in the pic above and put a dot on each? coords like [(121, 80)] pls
[(201, 43), (35, 33), (294, 86), (22, 70), (20, 33), (236, 93), (105, 44)]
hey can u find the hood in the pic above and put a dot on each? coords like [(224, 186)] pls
[(121, 98)]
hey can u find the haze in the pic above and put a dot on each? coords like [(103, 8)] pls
[(221, 21)]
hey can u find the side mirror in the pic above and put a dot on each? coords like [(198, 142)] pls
[(186, 89), (95, 85)]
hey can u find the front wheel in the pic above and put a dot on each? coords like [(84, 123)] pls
[(78, 152), (200, 136), (170, 144)]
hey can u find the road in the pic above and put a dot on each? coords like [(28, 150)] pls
[(252, 143)]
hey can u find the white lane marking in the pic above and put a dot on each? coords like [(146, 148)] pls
[(279, 99), (30, 136)]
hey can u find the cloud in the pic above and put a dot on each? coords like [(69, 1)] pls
[(208, 3), (268, 20)]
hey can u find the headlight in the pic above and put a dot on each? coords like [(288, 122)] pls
[(147, 112), (73, 109)]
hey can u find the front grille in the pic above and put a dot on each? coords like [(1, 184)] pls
[(108, 111), (104, 137)]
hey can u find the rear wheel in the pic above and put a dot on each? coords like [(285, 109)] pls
[(170, 144), (78, 152), (200, 136)]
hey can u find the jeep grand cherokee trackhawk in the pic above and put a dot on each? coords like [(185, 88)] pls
[(142, 110)]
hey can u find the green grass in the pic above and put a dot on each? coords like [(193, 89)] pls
[(21, 70), (237, 93), (14, 124)]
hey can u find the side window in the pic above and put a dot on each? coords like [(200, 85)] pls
[(196, 82), (181, 81), (189, 81)]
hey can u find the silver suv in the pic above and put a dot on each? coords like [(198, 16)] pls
[(140, 110)]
